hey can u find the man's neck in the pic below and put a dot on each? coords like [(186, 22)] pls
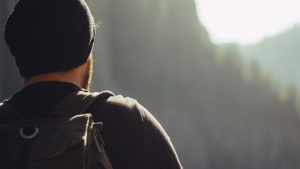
[(59, 77), (75, 76)]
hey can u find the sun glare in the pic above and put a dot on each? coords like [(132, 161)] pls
[(247, 21)]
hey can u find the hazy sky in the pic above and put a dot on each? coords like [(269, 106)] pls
[(247, 21)]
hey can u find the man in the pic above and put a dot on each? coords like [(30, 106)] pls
[(52, 41)]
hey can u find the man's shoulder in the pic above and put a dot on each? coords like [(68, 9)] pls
[(124, 106), (118, 106), (122, 102)]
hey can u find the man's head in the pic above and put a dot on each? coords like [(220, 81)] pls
[(47, 36)]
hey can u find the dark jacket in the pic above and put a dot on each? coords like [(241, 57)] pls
[(133, 137)]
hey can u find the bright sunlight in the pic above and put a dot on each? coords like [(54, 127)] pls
[(247, 21)]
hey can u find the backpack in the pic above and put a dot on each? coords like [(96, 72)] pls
[(66, 139)]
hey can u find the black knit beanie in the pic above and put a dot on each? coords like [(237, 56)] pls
[(48, 36)]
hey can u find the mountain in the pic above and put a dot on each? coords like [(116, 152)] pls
[(278, 55), (219, 110)]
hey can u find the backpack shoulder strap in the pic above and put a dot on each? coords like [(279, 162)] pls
[(8, 114), (78, 102)]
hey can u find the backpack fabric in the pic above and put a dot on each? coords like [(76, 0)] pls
[(66, 139)]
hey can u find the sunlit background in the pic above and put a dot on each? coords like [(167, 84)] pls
[(245, 21), (222, 77)]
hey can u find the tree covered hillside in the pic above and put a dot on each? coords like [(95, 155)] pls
[(217, 117), (278, 55)]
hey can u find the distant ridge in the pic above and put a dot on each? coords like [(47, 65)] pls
[(279, 56)]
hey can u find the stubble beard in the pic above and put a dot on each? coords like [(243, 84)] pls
[(88, 74)]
